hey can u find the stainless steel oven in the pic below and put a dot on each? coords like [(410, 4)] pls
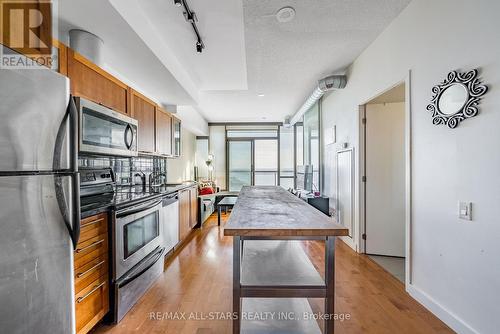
[(104, 131), (138, 232)]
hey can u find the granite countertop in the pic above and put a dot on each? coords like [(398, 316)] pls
[(273, 211), (125, 196)]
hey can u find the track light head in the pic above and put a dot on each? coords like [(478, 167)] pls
[(178, 3), (199, 47)]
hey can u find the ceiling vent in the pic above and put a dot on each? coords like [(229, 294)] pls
[(87, 44), (324, 85)]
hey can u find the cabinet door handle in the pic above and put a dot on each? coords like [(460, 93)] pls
[(79, 250), (97, 287), (92, 223), (79, 275)]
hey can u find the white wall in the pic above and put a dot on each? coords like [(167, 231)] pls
[(455, 265), (182, 168), (192, 120), (385, 172)]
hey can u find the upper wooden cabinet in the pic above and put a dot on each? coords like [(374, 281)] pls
[(144, 111), (93, 83), (62, 56), (163, 132)]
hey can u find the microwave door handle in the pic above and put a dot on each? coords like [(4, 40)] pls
[(128, 142)]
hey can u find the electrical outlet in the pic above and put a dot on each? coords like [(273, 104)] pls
[(465, 210)]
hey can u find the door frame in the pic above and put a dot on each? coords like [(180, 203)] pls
[(408, 176)]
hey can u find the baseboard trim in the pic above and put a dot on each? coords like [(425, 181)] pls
[(450, 319)]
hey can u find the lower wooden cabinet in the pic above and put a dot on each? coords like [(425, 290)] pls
[(188, 210), (193, 217), (91, 274)]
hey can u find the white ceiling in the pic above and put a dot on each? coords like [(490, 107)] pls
[(247, 51)]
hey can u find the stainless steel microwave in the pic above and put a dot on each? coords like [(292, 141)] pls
[(104, 131)]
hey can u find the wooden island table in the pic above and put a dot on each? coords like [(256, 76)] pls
[(272, 274)]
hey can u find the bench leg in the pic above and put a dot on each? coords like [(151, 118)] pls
[(218, 214)]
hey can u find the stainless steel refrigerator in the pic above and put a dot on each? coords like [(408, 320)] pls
[(39, 202)]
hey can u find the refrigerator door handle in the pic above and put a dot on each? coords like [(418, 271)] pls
[(71, 216), (75, 228), (73, 121)]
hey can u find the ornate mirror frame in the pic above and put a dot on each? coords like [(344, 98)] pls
[(475, 90)]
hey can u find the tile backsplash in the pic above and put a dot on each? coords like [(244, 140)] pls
[(125, 168)]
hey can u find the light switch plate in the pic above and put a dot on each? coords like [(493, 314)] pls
[(465, 210)]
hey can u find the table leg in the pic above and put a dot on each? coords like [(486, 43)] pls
[(330, 284), (218, 214), (236, 284)]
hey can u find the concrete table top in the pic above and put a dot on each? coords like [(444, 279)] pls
[(270, 211)]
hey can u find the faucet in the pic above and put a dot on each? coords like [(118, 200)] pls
[(143, 179), (153, 178)]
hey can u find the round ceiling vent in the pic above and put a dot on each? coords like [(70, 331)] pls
[(285, 14)]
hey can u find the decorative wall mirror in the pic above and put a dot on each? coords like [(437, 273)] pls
[(456, 98)]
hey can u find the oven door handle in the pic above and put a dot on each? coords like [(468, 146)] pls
[(151, 261), (137, 209)]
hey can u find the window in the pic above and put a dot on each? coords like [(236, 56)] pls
[(287, 157), (311, 142)]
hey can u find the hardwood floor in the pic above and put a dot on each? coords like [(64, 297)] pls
[(198, 278)]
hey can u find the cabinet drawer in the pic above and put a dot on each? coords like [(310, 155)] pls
[(90, 250), (91, 304), (93, 226), (89, 272)]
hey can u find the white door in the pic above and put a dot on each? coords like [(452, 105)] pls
[(385, 173)]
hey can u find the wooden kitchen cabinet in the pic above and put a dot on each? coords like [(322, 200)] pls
[(188, 211), (91, 273), (144, 111), (89, 81), (163, 132), (62, 56), (193, 218), (184, 213)]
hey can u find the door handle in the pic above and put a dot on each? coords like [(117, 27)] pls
[(128, 140), (95, 243), (80, 275), (97, 287)]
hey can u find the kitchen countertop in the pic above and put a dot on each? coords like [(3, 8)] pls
[(124, 196), (273, 211)]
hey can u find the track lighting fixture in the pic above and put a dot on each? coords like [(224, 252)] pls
[(190, 17)]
